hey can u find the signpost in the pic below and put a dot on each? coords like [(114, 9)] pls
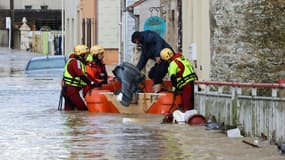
[(156, 24), (12, 16), (8, 26)]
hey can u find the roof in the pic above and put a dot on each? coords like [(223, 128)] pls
[(137, 3)]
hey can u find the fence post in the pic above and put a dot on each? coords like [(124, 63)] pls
[(234, 111)]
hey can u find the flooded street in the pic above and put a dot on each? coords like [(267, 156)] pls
[(33, 128)]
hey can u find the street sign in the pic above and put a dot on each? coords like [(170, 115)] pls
[(156, 24), (8, 22)]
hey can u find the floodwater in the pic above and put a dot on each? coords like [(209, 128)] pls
[(32, 128)]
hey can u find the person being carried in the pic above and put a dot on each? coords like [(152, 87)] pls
[(75, 78), (182, 76), (151, 44)]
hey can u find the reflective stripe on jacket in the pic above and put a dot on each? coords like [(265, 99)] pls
[(182, 69), (73, 81)]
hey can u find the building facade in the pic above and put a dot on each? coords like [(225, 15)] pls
[(196, 35), (72, 22), (226, 41), (33, 4), (93, 22), (39, 16)]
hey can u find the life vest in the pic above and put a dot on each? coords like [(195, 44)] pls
[(183, 69), (73, 81), (100, 71), (95, 69), (89, 58)]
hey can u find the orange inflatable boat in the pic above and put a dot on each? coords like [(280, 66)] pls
[(105, 100), (129, 92)]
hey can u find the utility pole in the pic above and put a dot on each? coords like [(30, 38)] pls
[(12, 15)]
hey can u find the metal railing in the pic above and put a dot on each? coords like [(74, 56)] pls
[(256, 108)]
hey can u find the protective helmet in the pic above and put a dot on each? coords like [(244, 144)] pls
[(81, 49), (96, 50), (166, 54)]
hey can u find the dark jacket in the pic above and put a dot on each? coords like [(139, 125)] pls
[(151, 45)]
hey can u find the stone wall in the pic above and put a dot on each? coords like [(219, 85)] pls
[(247, 40), (169, 12)]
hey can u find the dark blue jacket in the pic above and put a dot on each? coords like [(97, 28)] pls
[(151, 45)]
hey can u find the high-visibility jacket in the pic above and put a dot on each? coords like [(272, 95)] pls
[(89, 58), (89, 67), (182, 69), (73, 81)]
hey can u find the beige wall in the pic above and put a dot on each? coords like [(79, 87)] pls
[(108, 23), (88, 8), (105, 15), (72, 25), (196, 29)]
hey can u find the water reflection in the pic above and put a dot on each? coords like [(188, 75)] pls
[(81, 136), (105, 136)]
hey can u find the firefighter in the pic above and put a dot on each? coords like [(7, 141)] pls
[(95, 65), (182, 76), (75, 78), (151, 44)]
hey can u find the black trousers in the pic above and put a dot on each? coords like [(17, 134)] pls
[(158, 72)]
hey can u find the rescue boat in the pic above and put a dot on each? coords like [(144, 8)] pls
[(129, 92), (106, 100)]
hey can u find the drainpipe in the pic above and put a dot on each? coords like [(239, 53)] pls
[(130, 10), (121, 4), (136, 18)]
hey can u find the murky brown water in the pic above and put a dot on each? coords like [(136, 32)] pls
[(32, 128)]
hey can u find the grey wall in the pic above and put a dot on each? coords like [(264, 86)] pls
[(247, 40), (253, 114), (4, 38)]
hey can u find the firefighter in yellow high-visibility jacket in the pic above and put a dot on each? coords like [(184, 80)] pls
[(182, 76)]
